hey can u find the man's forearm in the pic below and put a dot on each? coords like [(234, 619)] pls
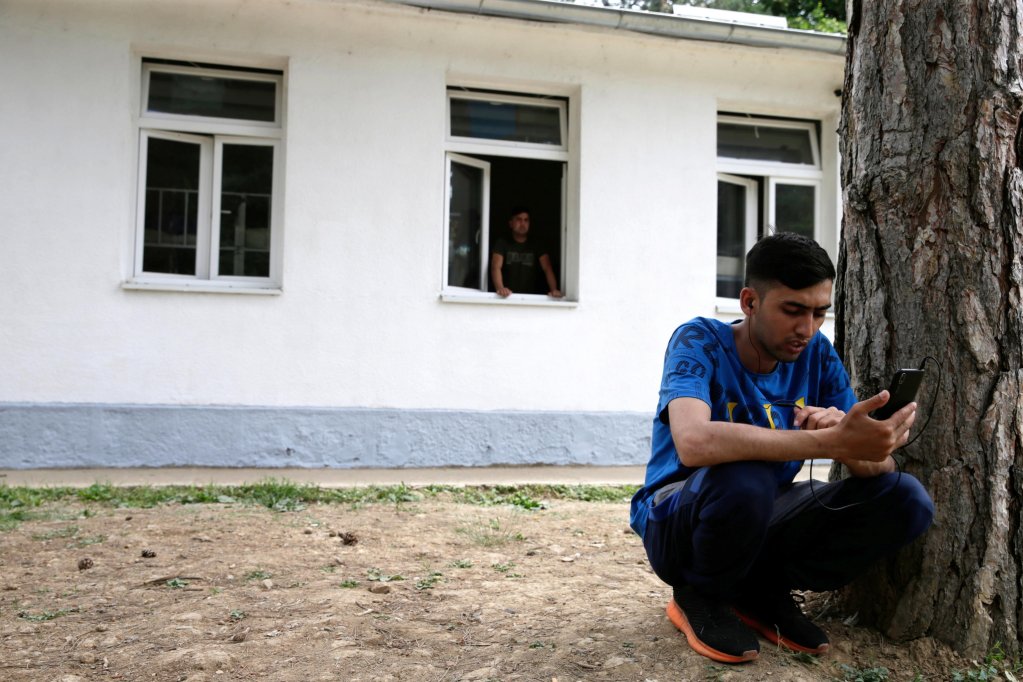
[(713, 443), (548, 272), (856, 437)]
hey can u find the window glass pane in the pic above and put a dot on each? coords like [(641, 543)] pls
[(246, 186), (763, 143), (794, 209), (505, 121), (731, 238), (171, 206), (215, 96), (465, 215)]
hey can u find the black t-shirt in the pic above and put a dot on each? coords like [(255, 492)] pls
[(521, 271)]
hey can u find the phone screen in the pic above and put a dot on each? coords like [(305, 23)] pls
[(902, 392)]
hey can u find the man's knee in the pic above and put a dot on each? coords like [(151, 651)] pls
[(914, 505), (739, 493)]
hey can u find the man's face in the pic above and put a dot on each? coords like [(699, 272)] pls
[(519, 224), (783, 320)]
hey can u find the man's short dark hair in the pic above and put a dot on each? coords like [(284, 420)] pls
[(790, 259), (515, 210)]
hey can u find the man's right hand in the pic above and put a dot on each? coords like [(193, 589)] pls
[(859, 437)]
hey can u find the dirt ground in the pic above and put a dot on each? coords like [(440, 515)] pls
[(427, 591)]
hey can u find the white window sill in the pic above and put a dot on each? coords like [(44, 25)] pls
[(727, 306), (203, 287), (487, 298)]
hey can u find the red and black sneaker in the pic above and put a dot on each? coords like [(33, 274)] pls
[(711, 627), (777, 617)]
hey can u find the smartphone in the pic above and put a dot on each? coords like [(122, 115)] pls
[(902, 392)]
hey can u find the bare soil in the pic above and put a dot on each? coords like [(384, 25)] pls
[(424, 591)]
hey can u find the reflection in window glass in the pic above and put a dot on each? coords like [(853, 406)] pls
[(794, 209), (465, 214), (764, 143), (731, 238), (246, 188), (217, 97), (505, 121), (172, 206)]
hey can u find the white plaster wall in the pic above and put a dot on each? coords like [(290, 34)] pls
[(359, 322)]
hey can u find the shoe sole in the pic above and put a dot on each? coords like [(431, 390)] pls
[(679, 620), (774, 637)]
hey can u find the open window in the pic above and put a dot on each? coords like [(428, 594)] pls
[(504, 151), (769, 179), (209, 176)]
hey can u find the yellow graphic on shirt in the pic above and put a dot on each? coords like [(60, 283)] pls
[(801, 402)]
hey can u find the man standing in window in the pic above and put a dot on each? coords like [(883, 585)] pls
[(516, 264), (740, 407)]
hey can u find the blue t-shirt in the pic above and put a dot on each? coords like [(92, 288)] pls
[(702, 362)]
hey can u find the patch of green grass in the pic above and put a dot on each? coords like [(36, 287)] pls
[(22, 497), (236, 615), (65, 532), (524, 501), (176, 583), (349, 584), (875, 674), (489, 533), (279, 495), (91, 540), (258, 574), (375, 575), (995, 666), (461, 563), (9, 520), (45, 615), (503, 568), (19, 503), (429, 581)]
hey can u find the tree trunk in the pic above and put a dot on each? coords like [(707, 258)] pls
[(930, 265)]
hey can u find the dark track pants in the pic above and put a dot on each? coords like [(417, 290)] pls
[(731, 528)]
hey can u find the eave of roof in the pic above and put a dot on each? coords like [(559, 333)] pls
[(654, 23)]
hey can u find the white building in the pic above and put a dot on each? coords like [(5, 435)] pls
[(256, 233)]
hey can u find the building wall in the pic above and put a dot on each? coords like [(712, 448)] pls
[(358, 334)]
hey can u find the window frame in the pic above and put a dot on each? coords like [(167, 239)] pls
[(750, 229), (566, 153), (725, 163), (211, 72), (539, 101), (772, 205), (768, 175), (212, 133), (484, 166)]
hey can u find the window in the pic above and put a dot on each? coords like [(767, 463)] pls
[(209, 176), (503, 151), (769, 179)]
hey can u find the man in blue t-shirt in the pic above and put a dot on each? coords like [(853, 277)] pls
[(741, 406)]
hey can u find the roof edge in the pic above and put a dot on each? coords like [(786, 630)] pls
[(653, 23)]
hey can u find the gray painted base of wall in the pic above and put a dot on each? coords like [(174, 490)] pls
[(93, 435)]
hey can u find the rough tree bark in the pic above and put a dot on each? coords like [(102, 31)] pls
[(930, 265)]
